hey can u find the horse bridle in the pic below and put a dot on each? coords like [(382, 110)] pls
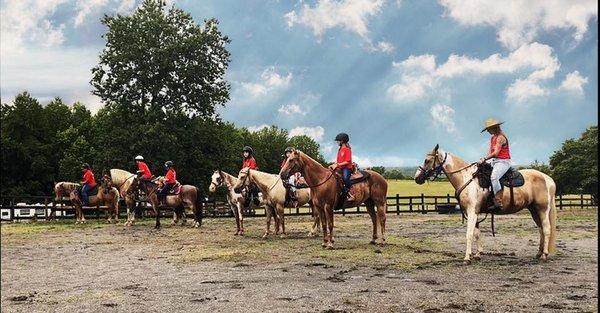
[(434, 171)]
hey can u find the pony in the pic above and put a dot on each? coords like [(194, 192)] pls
[(61, 191), (273, 193), (107, 195), (537, 195), (325, 188)]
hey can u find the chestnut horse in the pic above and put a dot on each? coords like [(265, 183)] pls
[(189, 197), (537, 195), (107, 195), (273, 194), (325, 187)]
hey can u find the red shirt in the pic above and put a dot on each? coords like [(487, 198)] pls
[(250, 162), (88, 178), (504, 150), (144, 168), (344, 155), (171, 177)]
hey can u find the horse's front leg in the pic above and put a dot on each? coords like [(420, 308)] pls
[(157, 212), (280, 213), (240, 210), (268, 211), (471, 221), (477, 236)]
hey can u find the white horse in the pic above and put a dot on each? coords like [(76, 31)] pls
[(122, 180)]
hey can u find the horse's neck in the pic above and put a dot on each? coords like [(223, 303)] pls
[(313, 172), (263, 180), (230, 181), (453, 164)]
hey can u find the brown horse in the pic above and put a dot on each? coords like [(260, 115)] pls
[(62, 190), (189, 197), (325, 187), (537, 195), (107, 195)]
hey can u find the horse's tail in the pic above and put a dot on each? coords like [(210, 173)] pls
[(552, 207), (199, 206)]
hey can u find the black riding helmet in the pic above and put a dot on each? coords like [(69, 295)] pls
[(169, 164), (343, 137), (288, 149), (85, 165), (248, 149)]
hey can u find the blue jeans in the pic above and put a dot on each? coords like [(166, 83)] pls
[(500, 167), (84, 194), (346, 172)]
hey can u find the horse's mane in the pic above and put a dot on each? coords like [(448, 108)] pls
[(67, 185), (119, 176)]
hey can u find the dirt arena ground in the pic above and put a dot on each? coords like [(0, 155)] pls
[(62, 267)]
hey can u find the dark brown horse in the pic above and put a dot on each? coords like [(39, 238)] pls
[(325, 187), (188, 197)]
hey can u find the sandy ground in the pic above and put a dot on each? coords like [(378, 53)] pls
[(61, 267)]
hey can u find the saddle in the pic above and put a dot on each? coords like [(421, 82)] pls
[(512, 177), (92, 192), (359, 176)]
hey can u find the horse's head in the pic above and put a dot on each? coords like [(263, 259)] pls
[(106, 183), (244, 180), (293, 164), (432, 165), (216, 181)]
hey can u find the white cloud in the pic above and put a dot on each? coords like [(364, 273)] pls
[(385, 46), (254, 129), (444, 116), (316, 133), (574, 83), (270, 80), (85, 7), (420, 75), (520, 21), (291, 109), (386, 161)]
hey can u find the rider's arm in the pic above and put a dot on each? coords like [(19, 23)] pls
[(499, 143)]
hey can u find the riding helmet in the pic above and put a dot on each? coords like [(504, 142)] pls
[(248, 149), (169, 164), (85, 165), (139, 158), (343, 137), (288, 149)]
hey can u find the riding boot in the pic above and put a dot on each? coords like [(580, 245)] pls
[(350, 195), (498, 199)]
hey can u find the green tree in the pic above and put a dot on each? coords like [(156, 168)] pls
[(575, 165), (540, 166), (308, 146), (393, 174), (159, 61), (378, 169)]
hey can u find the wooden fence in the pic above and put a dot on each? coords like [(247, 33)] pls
[(15, 208)]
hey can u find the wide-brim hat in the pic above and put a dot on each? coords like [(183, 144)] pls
[(491, 122)]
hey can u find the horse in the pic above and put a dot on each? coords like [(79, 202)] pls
[(325, 188), (61, 190), (234, 200), (188, 197), (537, 195), (273, 193), (107, 195), (122, 180)]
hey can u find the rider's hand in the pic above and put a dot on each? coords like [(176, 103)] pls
[(481, 161), (333, 166)]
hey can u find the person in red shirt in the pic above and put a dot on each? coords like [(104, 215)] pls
[(143, 171), (499, 153), (344, 163), (250, 162), (88, 183), (169, 182)]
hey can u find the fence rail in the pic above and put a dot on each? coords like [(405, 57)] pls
[(15, 208)]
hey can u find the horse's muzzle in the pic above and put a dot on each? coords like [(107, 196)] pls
[(285, 175), (237, 189)]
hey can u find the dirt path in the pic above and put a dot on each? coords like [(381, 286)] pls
[(60, 267)]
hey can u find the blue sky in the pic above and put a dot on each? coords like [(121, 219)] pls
[(398, 76)]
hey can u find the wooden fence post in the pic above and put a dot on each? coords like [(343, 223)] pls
[(410, 203), (344, 211), (11, 210), (422, 204), (581, 197), (397, 204), (45, 208), (560, 202)]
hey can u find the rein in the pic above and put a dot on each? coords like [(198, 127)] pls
[(123, 183), (321, 183)]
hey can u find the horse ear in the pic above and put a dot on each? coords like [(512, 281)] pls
[(437, 146)]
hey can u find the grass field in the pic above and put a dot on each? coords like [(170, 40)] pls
[(410, 188)]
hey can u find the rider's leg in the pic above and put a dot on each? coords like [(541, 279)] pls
[(346, 172), (84, 194), (500, 167)]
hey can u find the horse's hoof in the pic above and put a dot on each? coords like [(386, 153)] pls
[(373, 242), (283, 236), (196, 225), (264, 236), (477, 257), (467, 262), (329, 246), (544, 258), (324, 245)]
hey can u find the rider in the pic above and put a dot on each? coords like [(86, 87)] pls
[(88, 183), (169, 183), (344, 164), (143, 171), (499, 153), (250, 162)]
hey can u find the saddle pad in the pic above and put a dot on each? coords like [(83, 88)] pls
[(176, 189), (359, 176)]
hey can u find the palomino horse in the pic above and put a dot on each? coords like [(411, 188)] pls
[(273, 193), (188, 197), (122, 180), (537, 195), (234, 200), (107, 195), (62, 190), (325, 191)]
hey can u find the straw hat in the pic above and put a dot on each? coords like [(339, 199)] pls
[(491, 122)]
